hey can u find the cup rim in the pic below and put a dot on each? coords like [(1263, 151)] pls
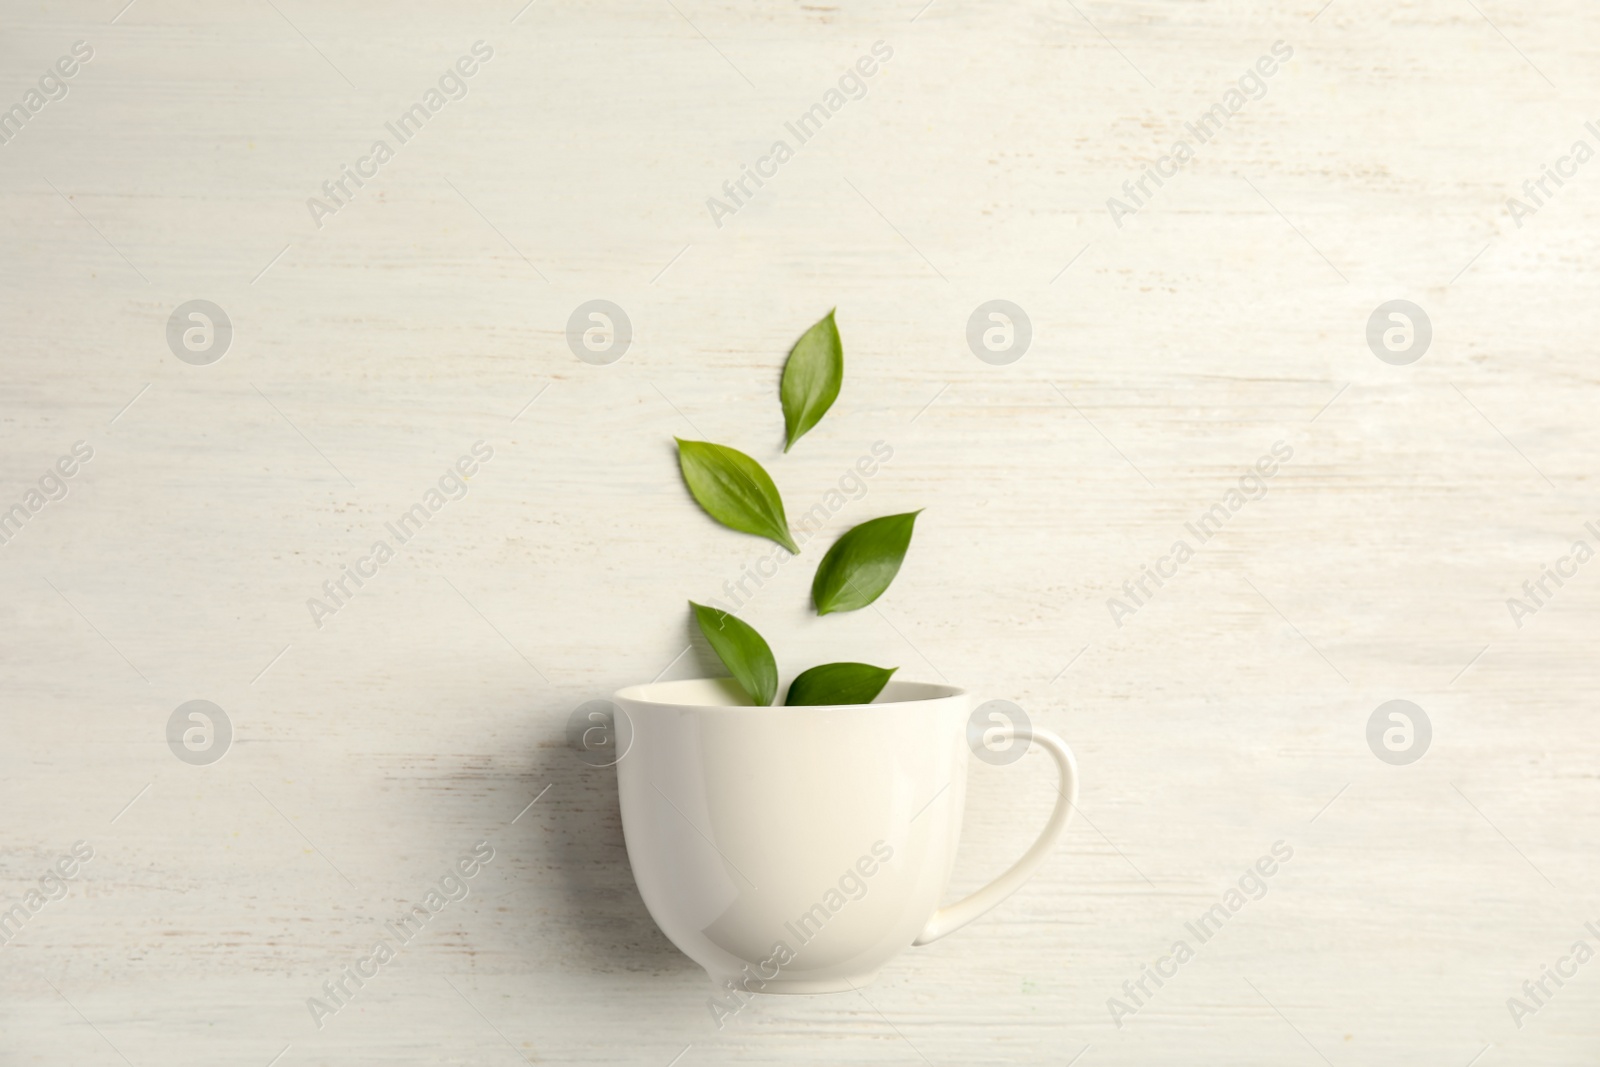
[(730, 697)]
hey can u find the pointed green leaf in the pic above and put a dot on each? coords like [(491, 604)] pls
[(838, 683), (734, 490), (811, 379), (862, 563), (743, 651)]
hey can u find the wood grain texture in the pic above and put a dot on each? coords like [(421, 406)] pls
[(1168, 354)]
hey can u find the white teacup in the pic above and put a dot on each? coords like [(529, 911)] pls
[(798, 850)]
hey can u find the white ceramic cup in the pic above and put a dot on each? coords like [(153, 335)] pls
[(798, 850)]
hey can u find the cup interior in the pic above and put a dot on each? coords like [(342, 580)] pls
[(726, 693)]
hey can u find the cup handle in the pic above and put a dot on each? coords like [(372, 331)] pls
[(950, 919)]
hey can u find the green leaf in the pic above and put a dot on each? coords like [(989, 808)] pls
[(862, 563), (734, 490), (811, 379), (838, 683), (743, 651)]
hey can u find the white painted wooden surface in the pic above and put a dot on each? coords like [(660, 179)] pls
[(1228, 714)]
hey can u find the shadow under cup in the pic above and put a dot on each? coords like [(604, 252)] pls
[(791, 850)]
